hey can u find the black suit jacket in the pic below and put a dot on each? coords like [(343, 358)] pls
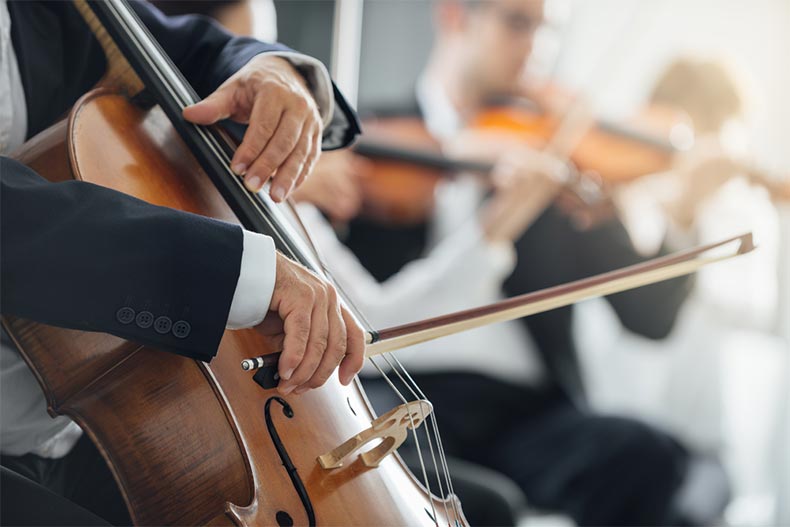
[(80, 256), (551, 252)]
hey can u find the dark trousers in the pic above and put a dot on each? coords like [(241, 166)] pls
[(598, 470), (77, 489)]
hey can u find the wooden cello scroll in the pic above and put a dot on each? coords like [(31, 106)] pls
[(392, 428)]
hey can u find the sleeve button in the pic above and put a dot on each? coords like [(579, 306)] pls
[(144, 319), (181, 329), (125, 315), (162, 325)]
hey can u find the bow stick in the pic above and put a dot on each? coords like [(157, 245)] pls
[(645, 273)]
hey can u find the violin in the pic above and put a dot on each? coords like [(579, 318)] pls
[(191, 443), (614, 152), (405, 166), (407, 162)]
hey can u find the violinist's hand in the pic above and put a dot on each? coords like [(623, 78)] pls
[(317, 333), (587, 210), (525, 183), (334, 185), (283, 139)]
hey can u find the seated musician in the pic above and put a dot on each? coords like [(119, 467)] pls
[(70, 250), (709, 95), (511, 396)]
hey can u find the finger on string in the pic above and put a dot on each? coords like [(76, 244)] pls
[(270, 161), (316, 154), (264, 122), (290, 166), (313, 153), (216, 107)]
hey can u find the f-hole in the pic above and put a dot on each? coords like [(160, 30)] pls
[(282, 517)]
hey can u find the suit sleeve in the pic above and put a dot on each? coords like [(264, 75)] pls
[(207, 55), (650, 311), (81, 256)]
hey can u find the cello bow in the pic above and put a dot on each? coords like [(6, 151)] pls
[(649, 272)]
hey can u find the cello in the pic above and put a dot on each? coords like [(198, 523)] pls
[(190, 442)]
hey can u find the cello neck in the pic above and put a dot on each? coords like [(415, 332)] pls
[(213, 148)]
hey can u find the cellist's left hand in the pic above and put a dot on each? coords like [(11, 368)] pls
[(283, 139)]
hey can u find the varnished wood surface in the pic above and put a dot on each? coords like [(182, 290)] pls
[(119, 74)]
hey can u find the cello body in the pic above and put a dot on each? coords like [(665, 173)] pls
[(189, 442)]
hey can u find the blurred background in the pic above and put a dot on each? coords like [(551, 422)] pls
[(721, 381)]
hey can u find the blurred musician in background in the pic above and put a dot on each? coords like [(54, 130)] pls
[(511, 396), (708, 93)]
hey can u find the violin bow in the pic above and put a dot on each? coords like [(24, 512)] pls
[(656, 270)]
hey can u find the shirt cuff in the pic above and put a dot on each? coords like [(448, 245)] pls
[(256, 282), (318, 80)]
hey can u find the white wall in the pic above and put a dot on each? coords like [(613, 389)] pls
[(643, 35)]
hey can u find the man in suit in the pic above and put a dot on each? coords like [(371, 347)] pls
[(70, 251), (512, 397)]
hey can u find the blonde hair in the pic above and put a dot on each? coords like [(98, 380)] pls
[(704, 89)]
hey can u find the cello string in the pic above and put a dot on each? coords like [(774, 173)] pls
[(403, 399), (444, 470), (431, 426), (435, 424)]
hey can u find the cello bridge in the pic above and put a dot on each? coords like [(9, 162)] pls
[(392, 428)]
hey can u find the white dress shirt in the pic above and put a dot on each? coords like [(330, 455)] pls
[(25, 425)]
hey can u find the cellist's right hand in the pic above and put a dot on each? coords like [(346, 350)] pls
[(318, 334)]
